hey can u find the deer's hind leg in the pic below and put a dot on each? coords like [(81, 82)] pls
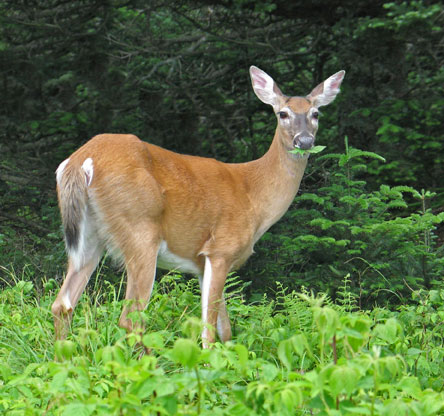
[(81, 264)]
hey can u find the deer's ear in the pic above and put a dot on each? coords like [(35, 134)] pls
[(326, 91), (264, 87)]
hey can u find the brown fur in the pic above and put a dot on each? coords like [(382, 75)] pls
[(142, 195)]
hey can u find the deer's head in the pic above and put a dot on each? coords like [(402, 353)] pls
[(297, 116)]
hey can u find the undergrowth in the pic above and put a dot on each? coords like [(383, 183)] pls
[(385, 239), (296, 354)]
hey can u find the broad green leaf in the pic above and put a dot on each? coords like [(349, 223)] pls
[(165, 388), (185, 352), (59, 380), (64, 349), (106, 353), (79, 409), (343, 379), (291, 397), (300, 344), (390, 331), (314, 150), (269, 372), (285, 353), (153, 340), (242, 354), (327, 321), (192, 328), (410, 386), (216, 359)]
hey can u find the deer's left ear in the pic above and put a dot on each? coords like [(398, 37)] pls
[(326, 91)]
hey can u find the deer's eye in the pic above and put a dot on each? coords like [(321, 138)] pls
[(315, 115), (283, 115)]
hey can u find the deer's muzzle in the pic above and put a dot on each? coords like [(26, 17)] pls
[(303, 141)]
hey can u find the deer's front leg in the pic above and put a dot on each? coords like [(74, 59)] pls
[(213, 283), (223, 321)]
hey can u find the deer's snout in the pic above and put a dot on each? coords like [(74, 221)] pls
[(303, 141)]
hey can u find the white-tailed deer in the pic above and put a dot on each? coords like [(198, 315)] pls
[(152, 208)]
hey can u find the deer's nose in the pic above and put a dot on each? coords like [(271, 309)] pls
[(303, 141)]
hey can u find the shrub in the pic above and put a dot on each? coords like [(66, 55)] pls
[(383, 239)]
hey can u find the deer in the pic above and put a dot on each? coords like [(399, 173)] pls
[(153, 208)]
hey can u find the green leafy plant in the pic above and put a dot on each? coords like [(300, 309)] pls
[(298, 354), (383, 240)]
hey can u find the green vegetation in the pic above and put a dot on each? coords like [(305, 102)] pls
[(293, 353), (296, 354), (355, 324), (385, 240)]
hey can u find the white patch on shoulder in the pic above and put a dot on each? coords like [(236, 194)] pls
[(60, 169), (88, 168), (170, 261)]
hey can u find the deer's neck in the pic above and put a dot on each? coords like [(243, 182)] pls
[(272, 183)]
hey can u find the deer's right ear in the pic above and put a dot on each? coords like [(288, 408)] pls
[(264, 87)]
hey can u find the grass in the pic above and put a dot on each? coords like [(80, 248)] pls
[(297, 354)]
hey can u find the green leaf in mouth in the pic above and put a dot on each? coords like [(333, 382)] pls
[(315, 149)]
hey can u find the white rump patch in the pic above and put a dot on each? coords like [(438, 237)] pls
[(60, 169), (89, 170)]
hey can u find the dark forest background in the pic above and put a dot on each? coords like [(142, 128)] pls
[(176, 74)]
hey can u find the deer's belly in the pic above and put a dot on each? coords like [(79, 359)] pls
[(170, 261)]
